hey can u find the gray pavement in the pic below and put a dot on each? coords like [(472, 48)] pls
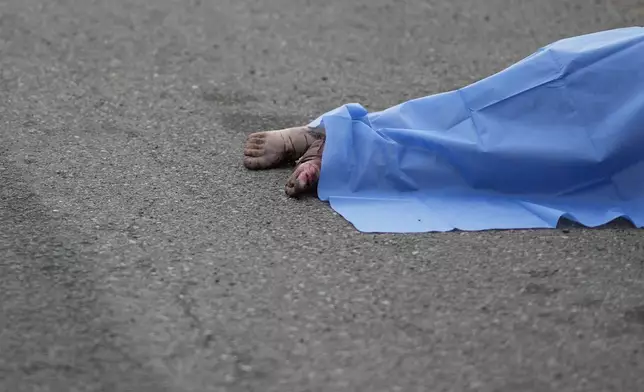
[(136, 254)]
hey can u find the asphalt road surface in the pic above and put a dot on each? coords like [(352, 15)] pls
[(137, 254)]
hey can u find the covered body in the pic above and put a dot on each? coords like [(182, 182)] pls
[(560, 133)]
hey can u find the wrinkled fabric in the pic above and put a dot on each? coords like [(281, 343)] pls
[(557, 134)]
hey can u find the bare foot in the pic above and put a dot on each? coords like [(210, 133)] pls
[(270, 149), (307, 172)]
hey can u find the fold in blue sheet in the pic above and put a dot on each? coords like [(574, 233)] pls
[(558, 134)]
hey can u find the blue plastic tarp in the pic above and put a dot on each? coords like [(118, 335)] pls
[(557, 134)]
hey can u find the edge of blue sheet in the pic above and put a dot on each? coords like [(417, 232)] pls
[(557, 134)]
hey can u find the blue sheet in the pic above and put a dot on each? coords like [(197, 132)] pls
[(557, 134)]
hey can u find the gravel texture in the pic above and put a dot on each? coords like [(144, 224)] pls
[(137, 254)]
